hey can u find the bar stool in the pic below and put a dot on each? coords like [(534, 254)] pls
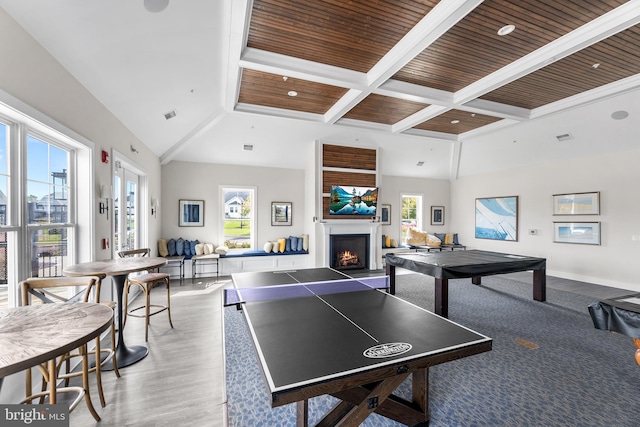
[(146, 281), (41, 288)]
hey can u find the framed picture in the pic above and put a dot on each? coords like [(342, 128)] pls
[(191, 213), (497, 218), (586, 233), (385, 214), (577, 204), (437, 215), (280, 213)]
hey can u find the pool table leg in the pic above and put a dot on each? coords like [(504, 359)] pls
[(442, 297)]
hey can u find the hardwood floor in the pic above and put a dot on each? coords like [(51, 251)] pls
[(182, 382)]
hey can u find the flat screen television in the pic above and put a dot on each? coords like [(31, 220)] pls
[(354, 201)]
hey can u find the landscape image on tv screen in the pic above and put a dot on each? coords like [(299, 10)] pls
[(350, 200)]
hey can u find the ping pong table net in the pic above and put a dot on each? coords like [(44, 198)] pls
[(297, 290)]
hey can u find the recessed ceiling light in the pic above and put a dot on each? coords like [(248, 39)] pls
[(292, 93), (420, 163), (170, 115), (455, 122), (619, 115), (507, 29), (247, 147)]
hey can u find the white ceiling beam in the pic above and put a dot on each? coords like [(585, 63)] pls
[(419, 117), (205, 126), (275, 63), (238, 34), (437, 22), (618, 19)]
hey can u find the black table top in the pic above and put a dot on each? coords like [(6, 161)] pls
[(464, 264), (311, 340)]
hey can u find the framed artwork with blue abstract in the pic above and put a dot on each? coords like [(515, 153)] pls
[(497, 218), (586, 233)]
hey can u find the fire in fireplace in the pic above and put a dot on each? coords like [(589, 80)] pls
[(349, 251)]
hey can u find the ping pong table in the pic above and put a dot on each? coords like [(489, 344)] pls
[(464, 264), (318, 332)]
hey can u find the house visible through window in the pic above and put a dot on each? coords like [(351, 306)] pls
[(411, 212), (239, 217)]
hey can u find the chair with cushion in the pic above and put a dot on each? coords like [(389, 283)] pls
[(46, 290), (145, 281)]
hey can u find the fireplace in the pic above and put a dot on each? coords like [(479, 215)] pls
[(349, 251)]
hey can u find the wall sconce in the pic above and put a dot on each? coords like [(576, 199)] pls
[(103, 206), (155, 204)]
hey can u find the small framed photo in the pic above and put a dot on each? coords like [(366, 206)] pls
[(586, 233), (385, 214), (437, 215), (191, 213), (281, 213), (577, 204)]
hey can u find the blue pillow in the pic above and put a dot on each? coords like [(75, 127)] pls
[(171, 247), (299, 244), (455, 239), (193, 246), (384, 241), (187, 248), (180, 246), (287, 245), (441, 236)]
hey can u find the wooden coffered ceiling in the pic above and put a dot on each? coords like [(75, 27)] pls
[(432, 68)]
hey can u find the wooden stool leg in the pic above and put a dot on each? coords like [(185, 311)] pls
[(126, 306), (147, 309), (85, 382), (114, 361), (99, 372), (168, 301)]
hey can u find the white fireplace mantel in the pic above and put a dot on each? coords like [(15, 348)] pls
[(352, 227)]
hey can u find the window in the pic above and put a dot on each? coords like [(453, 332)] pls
[(238, 206), (38, 201), (411, 212), (4, 180)]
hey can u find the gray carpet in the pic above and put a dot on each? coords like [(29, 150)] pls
[(549, 366)]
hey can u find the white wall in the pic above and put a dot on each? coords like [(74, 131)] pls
[(615, 176), (435, 193), (201, 181), (31, 75)]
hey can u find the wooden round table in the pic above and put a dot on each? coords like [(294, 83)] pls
[(36, 334), (119, 269)]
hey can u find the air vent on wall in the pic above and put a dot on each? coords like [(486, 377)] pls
[(247, 147), (564, 137), (171, 114)]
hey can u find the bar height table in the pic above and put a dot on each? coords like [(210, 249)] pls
[(119, 269)]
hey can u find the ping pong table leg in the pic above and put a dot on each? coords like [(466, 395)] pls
[(420, 391), (442, 297), (391, 272)]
